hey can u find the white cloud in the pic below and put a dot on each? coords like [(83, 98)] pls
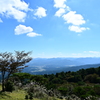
[(22, 29), (62, 7), (77, 28), (76, 20), (40, 12), (60, 12), (70, 17), (1, 20), (32, 34), (59, 3), (14, 8), (73, 18)]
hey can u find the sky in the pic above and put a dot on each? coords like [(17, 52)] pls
[(51, 28)]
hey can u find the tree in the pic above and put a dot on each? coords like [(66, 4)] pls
[(92, 78), (11, 63), (21, 77)]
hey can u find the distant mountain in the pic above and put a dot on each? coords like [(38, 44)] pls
[(50, 69), (54, 65), (65, 61), (88, 60), (54, 61)]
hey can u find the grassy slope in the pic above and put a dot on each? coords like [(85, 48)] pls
[(15, 95), (18, 95)]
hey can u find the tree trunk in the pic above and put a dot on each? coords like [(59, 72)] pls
[(3, 85)]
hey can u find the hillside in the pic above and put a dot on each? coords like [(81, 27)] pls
[(20, 95), (83, 84), (54, 65), (49, 69)]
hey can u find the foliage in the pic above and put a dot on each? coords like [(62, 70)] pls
[(63, 90), (92, 78), (24, 78), (9, 86), (82, 84), (38, 78), (67, 83), (11, 63), (84, 92), (97, 89)]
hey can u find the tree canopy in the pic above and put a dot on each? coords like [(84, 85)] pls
[(11, 63)]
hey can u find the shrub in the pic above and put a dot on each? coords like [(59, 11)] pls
[(84, 92), (63, 90), (9, 86), (97, 89), (26, 97), (81, 83)]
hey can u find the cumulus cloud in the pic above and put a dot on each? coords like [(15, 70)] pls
[(40, 12), (76, 20), (59, 3), (14, 8), (22, 29), (62, 7), (60, 12), (73, 18), (70, 17), (32, 34), (77, 28)]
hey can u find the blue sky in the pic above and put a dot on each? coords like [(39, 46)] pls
[(51, 28)]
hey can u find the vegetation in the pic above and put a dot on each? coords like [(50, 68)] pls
[(10, 64), (81, 85)]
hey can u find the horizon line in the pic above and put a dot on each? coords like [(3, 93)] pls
[(64, 57)]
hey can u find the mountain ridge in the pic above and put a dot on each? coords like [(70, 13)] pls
[(53, 65)]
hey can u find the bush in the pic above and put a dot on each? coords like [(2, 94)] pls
[(84, 92), (97, 89), (81, 83), (26, 97), (79, 91), (9, 86), (63, 90)]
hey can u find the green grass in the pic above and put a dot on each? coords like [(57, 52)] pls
[(19, 95), (15, 95)]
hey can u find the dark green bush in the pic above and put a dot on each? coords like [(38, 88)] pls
[(84, 91), (26, 97), (97, 89), (9, 86), (79, 91), (63, 90), (81, 83)]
